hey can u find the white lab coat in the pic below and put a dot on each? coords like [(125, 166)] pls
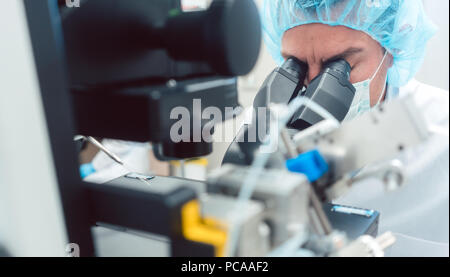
[(417, 213)]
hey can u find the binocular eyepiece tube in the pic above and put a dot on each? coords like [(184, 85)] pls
[(331, 89)]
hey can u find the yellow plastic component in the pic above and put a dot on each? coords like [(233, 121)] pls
[(206, 230)]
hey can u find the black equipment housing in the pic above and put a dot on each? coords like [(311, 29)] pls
[(115, 69)]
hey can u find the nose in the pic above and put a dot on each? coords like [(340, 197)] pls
[(313, 71)]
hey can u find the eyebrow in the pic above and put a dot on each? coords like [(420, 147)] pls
[(345, 54)]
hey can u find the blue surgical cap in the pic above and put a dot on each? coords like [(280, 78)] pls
[(400, 26)]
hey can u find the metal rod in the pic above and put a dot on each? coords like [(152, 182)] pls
[(326, 225), (105, 150), (290, 147), (315, 202)]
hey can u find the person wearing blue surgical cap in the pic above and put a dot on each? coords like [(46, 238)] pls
[(384, 41)]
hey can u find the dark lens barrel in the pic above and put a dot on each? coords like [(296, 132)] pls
[(296, 68), (341, 66), (227, 36), (332, 90)]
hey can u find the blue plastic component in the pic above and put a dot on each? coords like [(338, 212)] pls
[(312, 164), (351, 210), (86, 170)]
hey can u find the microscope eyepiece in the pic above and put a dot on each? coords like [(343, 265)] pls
[(341, 66), (296, 68), (332, 90)]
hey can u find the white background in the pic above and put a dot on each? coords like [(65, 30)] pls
[(435, 70)]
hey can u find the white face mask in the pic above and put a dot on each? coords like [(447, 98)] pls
[(361, 101)]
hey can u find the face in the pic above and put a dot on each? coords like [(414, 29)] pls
[(316, 44)]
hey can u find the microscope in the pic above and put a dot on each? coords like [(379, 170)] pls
[(331, 89), (118, 68)]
